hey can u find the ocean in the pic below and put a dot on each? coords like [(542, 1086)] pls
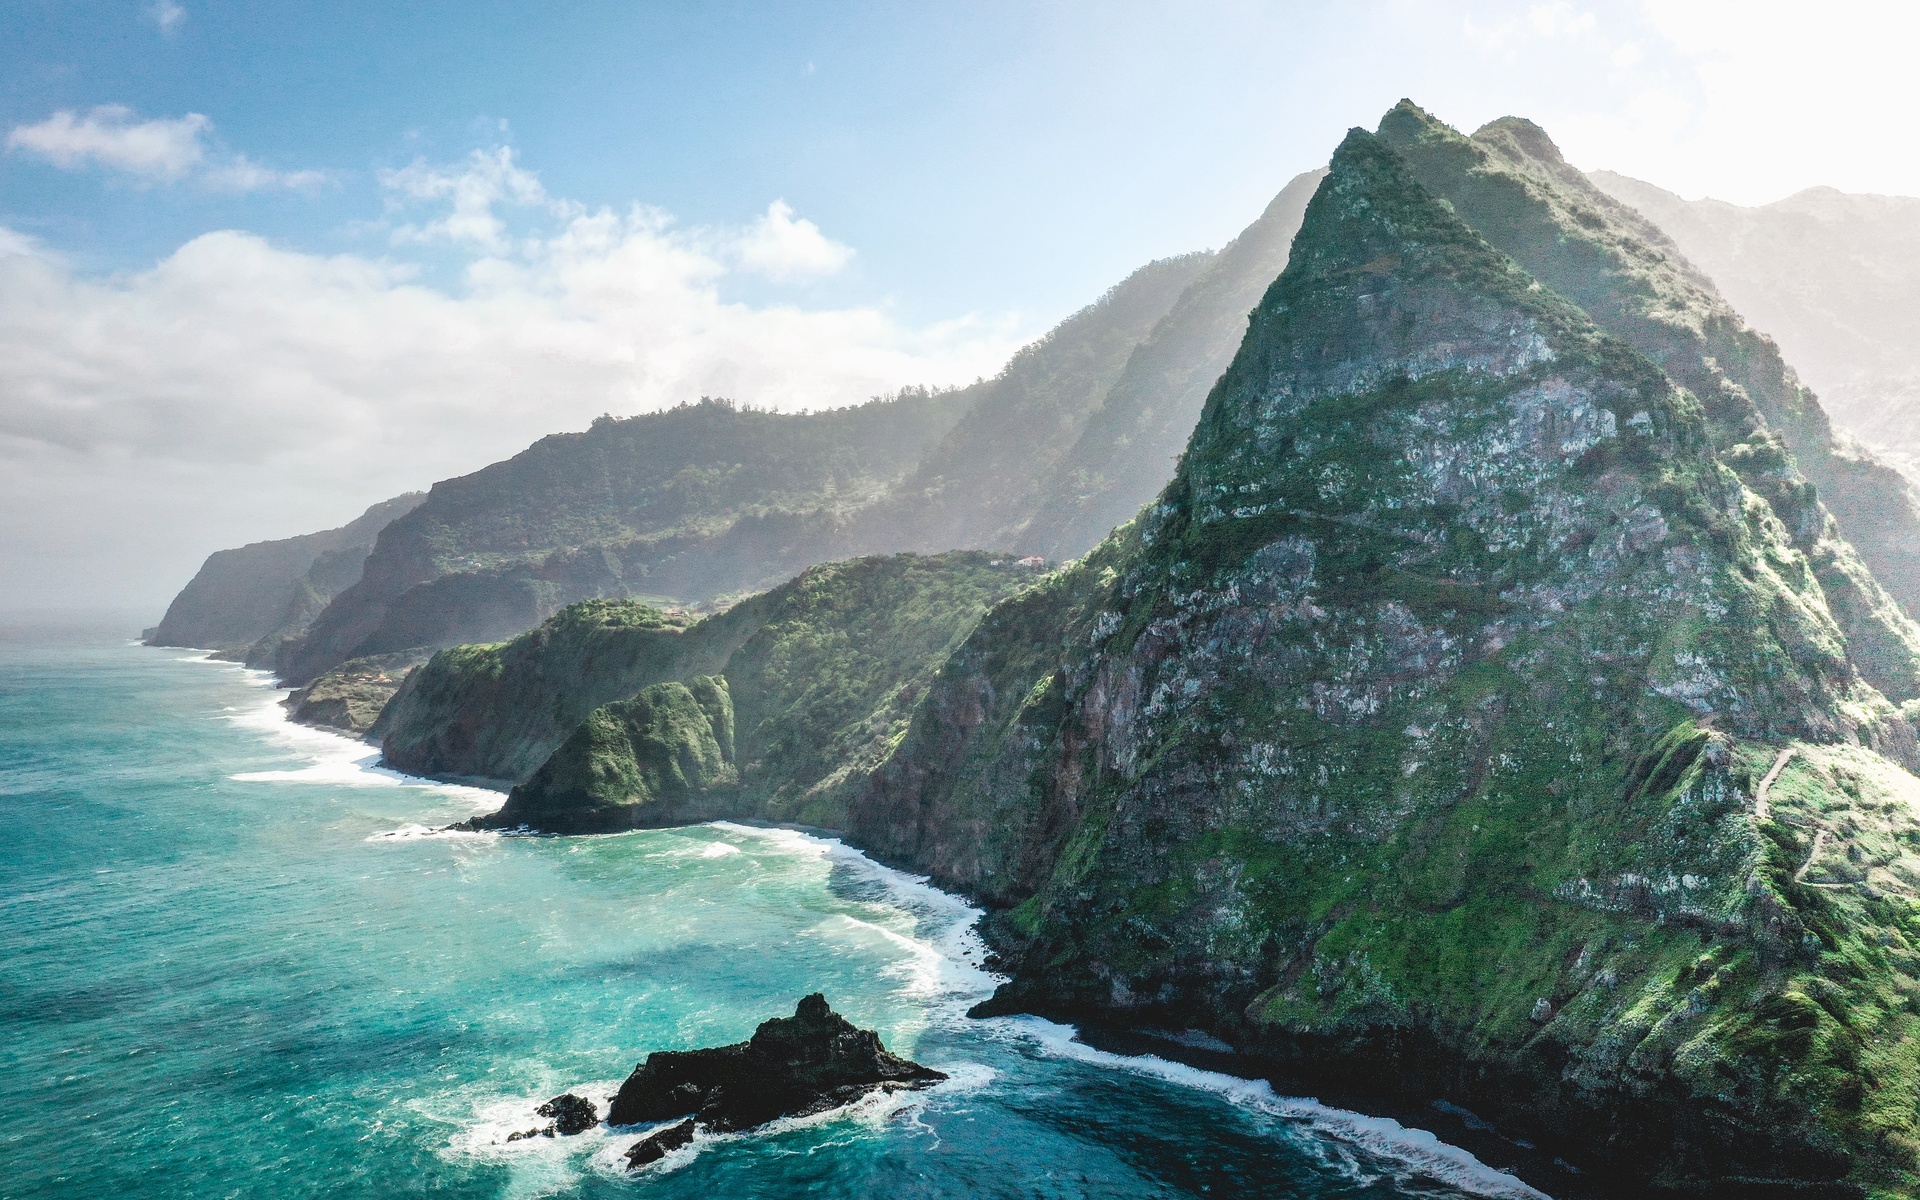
[(236, 961)]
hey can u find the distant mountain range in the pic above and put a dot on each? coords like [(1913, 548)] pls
[(1834, 278), (711, 500)]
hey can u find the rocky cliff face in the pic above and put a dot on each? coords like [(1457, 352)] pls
[(1425, 724), (267, 591), (1858, 520)]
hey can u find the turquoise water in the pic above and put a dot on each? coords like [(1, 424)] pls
[(234, 962)]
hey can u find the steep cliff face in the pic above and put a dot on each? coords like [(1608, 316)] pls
[(268, 590), (1125, 453), (820, 672), (1426, 724), (496, 712), (1859, 521)]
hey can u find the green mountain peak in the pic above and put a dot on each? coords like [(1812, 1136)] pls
[(1422, 724)]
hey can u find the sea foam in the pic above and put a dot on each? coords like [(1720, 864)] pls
[(947, 972)]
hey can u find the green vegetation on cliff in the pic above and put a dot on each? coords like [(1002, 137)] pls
[(497, 711), (1510, 184), (697, 501), (820, 676)]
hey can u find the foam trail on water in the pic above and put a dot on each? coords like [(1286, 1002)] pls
[(946, 971), (332, 758)]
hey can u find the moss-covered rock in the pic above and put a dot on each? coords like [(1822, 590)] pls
[(1844, 510), (660, 758), (497, 711)]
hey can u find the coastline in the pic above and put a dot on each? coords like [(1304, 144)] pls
[(955, 975)]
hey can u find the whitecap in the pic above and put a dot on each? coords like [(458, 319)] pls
[(331, 758)]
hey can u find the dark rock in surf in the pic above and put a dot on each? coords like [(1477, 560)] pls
[(657, 1146), (571, 1114), (807, 1063)]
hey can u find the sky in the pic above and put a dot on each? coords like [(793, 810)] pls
[(262, 265)]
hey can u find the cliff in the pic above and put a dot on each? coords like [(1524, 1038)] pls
[(1423, 733), (978, 487), (698, 500), (1488, 710), (270, 590), (815, 676), (1857, 519), (1125, 453)]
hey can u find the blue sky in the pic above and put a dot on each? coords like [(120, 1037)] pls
[(264, 264)]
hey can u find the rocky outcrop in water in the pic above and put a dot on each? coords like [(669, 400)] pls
[(656, 1146), (810, 1062), (570, 1115)]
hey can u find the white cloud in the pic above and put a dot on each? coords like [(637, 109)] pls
[(1747, 100), (166, 14), (242, 174), (488, 178), (780, 246), (239, 390), (110, 136), (164, 149)]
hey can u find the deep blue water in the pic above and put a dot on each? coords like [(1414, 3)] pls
[(233, 963)]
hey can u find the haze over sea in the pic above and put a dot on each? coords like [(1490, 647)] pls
[(237, 963)]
